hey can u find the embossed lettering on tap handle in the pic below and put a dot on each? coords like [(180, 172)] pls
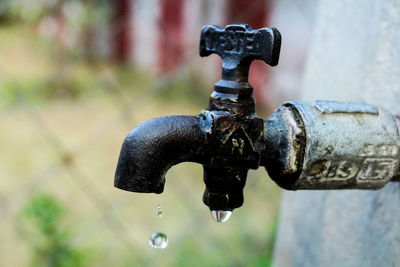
[(227, 138), (238, 45), (303, 145)]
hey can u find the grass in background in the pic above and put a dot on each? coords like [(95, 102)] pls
[(62, 124), (41, 225), (33, 71)]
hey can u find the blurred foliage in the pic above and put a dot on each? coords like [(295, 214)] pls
[(189, 86), (37, 68), (251, 252), (41, 225), (48, 71), (74, 26), (62, 35), (83, 12)]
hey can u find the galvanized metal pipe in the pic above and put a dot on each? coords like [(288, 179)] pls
[(303, 145), (332, 145)]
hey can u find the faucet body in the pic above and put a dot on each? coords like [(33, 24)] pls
[(319, 145), (227, 138)]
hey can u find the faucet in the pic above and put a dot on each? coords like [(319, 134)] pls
[(227, 138), (302, 145)]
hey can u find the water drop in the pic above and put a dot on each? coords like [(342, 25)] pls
[(159, 212), (221, 215), (158, 240)]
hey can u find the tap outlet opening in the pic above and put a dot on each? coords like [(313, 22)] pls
[(224, 187)]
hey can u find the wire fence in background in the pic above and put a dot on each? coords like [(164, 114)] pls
[(64, 163), (64, 158)]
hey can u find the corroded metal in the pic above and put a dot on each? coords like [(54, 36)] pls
[(317, 145), (228, 138), (154, 146), (333, 145)]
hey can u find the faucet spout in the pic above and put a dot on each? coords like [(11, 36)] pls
[(153, 147), (227, 138)]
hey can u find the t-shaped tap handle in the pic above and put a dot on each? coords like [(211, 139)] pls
[(238, 45)]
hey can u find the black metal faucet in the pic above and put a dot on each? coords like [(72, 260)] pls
[(227, 138), (303, 145)]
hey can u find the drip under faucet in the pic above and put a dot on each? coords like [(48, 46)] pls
[(227, 138), (303, 145)]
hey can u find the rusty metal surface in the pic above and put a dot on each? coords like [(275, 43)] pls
[(346, 146), (285, 140), (303, 145), (153, 147), (227, 138), (238, 45)]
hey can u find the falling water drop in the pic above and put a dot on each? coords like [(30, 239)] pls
[(158, 240), (159, 212), (221, 215)]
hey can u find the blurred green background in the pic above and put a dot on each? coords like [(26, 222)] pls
[(65, 111)]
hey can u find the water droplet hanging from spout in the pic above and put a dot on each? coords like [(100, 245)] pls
[(221, 216)]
